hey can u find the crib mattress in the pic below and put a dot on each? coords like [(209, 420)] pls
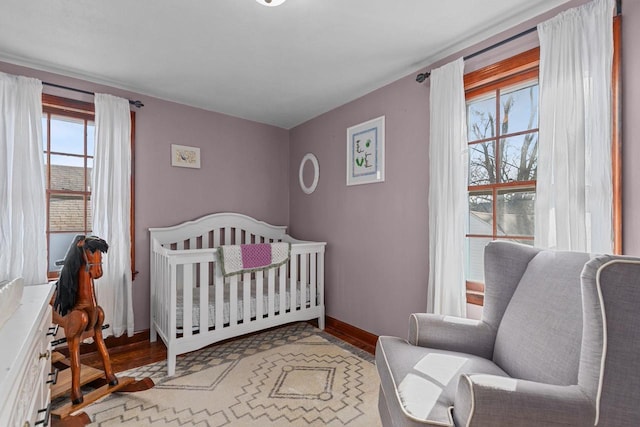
[(195, 312)]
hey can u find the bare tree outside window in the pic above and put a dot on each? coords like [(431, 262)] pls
[(503, 158)]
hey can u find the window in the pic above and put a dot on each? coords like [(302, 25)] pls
[(502, 132), (68, 131)]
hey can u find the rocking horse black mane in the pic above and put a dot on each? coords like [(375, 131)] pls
[(67, 285)]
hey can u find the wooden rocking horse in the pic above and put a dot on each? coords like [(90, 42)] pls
[(75, 309)]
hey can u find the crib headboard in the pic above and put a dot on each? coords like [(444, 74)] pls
[(218, 229)]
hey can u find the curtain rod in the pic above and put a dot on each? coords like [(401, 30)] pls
[(423, 76), (135, 103)]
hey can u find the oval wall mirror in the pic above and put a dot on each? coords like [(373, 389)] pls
[(316, 173)]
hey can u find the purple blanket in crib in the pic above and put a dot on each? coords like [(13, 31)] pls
[(238, 259)]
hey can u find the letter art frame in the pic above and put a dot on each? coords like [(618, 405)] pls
[(365, 152)]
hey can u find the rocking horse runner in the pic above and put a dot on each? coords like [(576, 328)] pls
[(75, 307)]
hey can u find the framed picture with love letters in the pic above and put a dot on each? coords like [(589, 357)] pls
[(365, 152)]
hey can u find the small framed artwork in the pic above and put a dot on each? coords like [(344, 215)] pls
[(365, 152), (185, 157)]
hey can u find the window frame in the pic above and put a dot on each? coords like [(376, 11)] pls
[(525, 66), (499, 186), (66, 107)]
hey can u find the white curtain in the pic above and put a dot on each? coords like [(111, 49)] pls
[(574, 189), (448, 201), (111, 203), (23, 211)]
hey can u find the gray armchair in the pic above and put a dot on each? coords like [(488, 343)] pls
[(558, 345)]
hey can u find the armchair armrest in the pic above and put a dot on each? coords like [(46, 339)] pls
[(489, 400), (452, 333)]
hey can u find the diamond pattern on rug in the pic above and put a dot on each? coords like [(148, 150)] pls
[(345, 405), (291, 376), (304, 382)]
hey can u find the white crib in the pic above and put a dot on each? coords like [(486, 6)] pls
[(188, 289)]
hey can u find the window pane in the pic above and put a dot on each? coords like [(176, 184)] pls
[(46, 171), (515, 212), (481, 119), (58, 245), (482, 163), (66, 213), (519, 109), (67, 173), (91, 134), (67, 135), (44, 132), (475, 258), (519, 158), (89, 173), (481, 213), (89, 216)]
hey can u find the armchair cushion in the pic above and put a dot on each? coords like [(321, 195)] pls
[(423, 380), (541, 330), (487, 400)]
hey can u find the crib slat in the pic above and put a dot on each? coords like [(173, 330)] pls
[(294, 281), (204, 297), (163, 306), (218, 285), (282, 275), (321, 290), (304, 264), (205, 240), (170, 298), (313, 280), (233, 300), (238, 239), (259, 294), (246, 298), (216, 238), (187, 300), (271, 290)]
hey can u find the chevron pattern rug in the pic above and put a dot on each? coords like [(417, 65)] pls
[(296, 375)]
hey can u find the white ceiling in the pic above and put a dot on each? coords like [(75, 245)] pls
[(277, 65)]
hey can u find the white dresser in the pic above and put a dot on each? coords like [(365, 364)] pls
[(25, 360)]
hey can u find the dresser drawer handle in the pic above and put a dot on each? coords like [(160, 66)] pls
[(53, 374), (45, 355), (53, 330), (47, 414)]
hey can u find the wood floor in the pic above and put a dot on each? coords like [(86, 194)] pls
[(142, 353)]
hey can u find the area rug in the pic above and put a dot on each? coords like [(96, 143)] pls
[(296, 375)]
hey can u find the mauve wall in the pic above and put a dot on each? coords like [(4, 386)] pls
[(245, 168), (377, 234)]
